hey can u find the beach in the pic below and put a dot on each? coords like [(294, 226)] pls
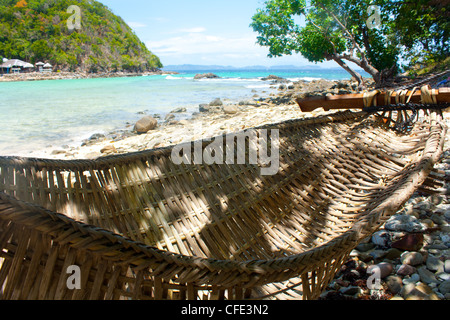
[(65, 75), (179, 126), (417, 271), (54, 118)]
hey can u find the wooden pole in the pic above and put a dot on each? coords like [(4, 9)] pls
[(356, 101)]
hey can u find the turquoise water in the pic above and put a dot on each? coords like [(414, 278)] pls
[(40, 114)]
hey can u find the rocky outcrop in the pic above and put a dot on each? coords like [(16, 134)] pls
[(275, 79), (179, 110), (206, 76)]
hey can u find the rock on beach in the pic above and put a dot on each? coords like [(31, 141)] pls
[(216, 103), (206, 76), (145, 124), (412, 258), (409, 242), (274, 78), (404, 223), (230, 109), (406, 270), (383, 268)]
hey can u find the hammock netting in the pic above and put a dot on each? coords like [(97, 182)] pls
[(141, 227)]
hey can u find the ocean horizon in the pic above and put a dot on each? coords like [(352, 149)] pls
[(38, 115)]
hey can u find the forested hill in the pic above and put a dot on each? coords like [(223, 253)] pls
[(38, 30)]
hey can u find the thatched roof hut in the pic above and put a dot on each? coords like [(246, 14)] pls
[(15, 65), (48, 67)]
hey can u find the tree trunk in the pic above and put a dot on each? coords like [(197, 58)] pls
[(353, 73)]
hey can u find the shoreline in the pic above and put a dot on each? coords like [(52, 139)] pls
[(181, 126), (423, 281), (65, 75)]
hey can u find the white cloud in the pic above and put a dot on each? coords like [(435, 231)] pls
[(136, 25), (200, 43), (204, 48), (193, 30), (159, 19)]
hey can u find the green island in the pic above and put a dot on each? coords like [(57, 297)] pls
[(37, 30)]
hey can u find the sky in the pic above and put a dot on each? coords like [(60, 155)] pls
[(201, 32)]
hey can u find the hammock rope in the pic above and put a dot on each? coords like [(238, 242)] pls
[(407, 112)]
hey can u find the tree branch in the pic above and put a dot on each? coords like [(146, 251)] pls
[(362, 63), (325, 34), (352, 38), (353, 73)]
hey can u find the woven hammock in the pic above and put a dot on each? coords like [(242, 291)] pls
[(139, 226)]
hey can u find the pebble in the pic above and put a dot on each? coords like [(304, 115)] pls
[(409, 242), (351, 290), (444, 287), (394, 284), (447, 266), (429, 223), (108, 149), (438, 219), (364, 247), (365, 257), (412, 258), (443, 209), (229, 109), (423, 205), (378, 254), (406, 270), (420, 292), (434, 264), (437, 246), (407, 288), (355, 253), (404, 223), (426, 276), (447, 214), (57, 152), (445, 238), (384, 268), (393, 254), (381, 238), (443, 276), (413, 279)]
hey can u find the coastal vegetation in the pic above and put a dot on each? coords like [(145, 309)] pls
[(37, 30), (377, 36)]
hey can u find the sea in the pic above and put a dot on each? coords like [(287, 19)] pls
[(37, 115)]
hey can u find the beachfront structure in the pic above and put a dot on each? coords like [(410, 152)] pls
[(15, 66), (47, 67), (39, 66)]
